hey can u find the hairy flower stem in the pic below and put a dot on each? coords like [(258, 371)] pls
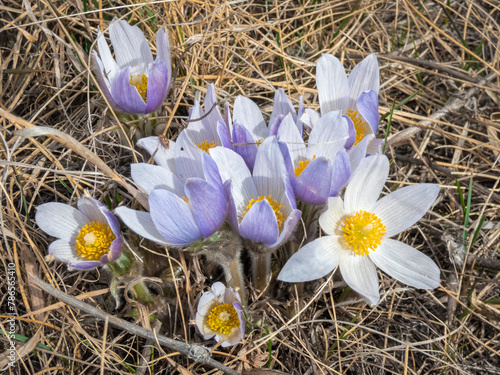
[(224, 248), (234, 278), (261, 269)]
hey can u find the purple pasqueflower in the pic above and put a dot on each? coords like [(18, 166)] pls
[(187, 202), (88, 237), (220, 315), (134, 83), (358, 231), (262, 206), (207, 128), (356, 96), (321, 167), (249, 128)]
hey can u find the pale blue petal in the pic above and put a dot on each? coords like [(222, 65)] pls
[(173, 218)]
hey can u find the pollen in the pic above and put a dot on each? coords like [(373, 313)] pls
[(223, 319), (363, 232), (140, 81), (185, 199), (360, 125), (277, 208), (259, 141), (94, 240), (205, 146), (302, 165)]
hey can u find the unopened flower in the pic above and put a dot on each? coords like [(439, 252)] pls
[(88, 237), (220, 314), (249, 128), (358, 232), (262, 206), (133, 82), (187, 200), (356, 96)]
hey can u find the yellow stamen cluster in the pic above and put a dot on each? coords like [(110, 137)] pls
[(277, 208), (140, 81), (185, 199), (205, 146), (259, 141), (94, 240), (302, 166), (363, 232), (223, 319), (360, 125)]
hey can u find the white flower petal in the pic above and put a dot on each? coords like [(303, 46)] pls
[(248, 114), (60, 220), (269, 170), (288, 133), (110, 67), (130, 46), (406, 264), (91, 210), (163, 155), (141, 223), (232, 167), (330, 220), (310, 118), (151, 177), (404, 207), (364, 77), (328, 136), (365, 187), (360, 274), (333, 89), (313, 261)]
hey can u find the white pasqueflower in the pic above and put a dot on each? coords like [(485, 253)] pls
[(357, 235), (220, 314), (356, 96), (132, 81), (88, 237)]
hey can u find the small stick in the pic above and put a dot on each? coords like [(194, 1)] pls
[(197, 353)]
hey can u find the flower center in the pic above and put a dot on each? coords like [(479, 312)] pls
[(205, 146), (185, 199), (302, 165), (94, 240), (360, 126), (223, 319), (259, 141), (140, 81), (363, 232), (277, 208)]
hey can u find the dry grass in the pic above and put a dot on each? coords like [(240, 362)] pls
[(443, 54)]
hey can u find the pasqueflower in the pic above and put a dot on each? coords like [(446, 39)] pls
[(88, 237), (262, 206), (206, 128), (358, 231), (220, 314), (321, 167), (133, 82), (356, 96), (249, 127), (186, 196)]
